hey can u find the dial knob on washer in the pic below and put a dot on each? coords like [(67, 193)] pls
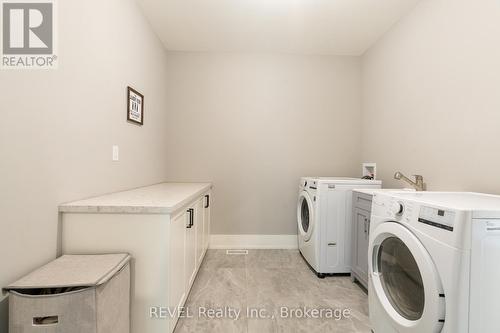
[(397, 208)]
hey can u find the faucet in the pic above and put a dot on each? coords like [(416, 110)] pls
[(418, 184)]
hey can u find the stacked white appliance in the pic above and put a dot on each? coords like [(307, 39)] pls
[(324, 213), (433, 263)]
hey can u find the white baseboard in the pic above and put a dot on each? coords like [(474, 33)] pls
[(253, 242)]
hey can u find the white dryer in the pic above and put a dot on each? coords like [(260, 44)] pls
[(323, 217), (433, 263)]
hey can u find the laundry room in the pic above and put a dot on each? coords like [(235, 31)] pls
[(249, 166)]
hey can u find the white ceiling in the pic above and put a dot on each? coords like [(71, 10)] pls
[(341, 27)]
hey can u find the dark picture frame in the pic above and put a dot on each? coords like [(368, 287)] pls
[(135, 106)]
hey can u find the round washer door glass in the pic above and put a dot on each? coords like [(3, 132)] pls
[(401, 278), (304, 215)]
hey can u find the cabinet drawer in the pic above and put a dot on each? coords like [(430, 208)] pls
[(362, 201)]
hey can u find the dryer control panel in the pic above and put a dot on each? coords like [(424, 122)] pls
[(439, 218)]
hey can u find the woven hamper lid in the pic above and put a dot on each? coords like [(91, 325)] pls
[(73, 271)]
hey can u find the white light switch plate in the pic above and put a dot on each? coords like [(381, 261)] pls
[(116, 153)]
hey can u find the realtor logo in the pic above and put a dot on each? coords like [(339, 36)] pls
[(28, 32)]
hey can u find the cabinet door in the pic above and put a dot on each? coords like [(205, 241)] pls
[(190, 248), (198, 225), (206, 222), (177, 286), (362, 226)]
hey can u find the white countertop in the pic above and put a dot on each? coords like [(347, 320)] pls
[(372, 191), (161, 198)]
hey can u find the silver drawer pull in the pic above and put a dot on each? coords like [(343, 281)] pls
[(44, 321), (332, 244), (492, 226)]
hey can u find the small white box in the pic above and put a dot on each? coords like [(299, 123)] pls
[(370, 170)]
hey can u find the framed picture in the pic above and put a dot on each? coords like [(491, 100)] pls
[(135, 106)]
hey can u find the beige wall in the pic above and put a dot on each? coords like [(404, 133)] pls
[(57, 127), (431, 101), (254, 123)]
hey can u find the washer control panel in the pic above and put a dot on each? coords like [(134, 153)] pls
[(439, 218)]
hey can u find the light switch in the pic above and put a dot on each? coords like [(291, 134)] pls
[(116, 153)]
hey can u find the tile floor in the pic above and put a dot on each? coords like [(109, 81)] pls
[(265, 281)]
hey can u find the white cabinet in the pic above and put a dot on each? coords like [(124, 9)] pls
[(190, 262), (360, 259), (164, 227), (199, 216), (177, 288), (188, 250), (360, 237)]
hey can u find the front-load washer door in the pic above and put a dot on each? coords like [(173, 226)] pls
[(305, 216), (405, 280)]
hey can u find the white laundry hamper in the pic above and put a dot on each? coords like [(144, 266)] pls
[(73, 294)]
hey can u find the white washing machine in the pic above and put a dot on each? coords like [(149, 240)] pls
[(323, 214), (433, 263)]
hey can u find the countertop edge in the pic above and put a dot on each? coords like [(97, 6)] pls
[(115, 209)]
